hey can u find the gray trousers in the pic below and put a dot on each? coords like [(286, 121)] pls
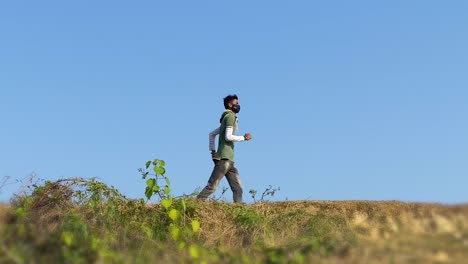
[(223, 168)]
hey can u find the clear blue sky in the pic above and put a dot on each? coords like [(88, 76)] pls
[(344, 99)]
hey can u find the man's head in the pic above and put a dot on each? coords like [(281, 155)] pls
[(231, 102)]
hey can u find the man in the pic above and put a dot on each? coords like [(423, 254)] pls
[(224, 157)]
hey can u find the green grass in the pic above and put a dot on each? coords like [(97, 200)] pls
[(85, 221)]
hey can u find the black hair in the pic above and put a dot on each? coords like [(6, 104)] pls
[(228, 99)]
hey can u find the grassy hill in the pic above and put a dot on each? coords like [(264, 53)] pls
[(89, 222)]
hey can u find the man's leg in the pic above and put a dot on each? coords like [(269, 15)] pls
[(220, 169), (234, 182)]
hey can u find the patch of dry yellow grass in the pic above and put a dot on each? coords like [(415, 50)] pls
[(389, 216), (5, 211), (387, 230)]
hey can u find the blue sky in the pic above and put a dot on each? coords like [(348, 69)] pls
[(345, 100)]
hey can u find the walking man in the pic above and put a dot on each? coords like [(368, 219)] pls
[(224, 158)]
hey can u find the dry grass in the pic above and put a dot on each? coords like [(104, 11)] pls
[(387, 231), (392, 216), (5, 211), (320, 231)]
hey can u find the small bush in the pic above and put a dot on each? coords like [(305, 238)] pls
[(246, 217)]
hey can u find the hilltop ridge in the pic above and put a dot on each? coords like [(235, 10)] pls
[(57, 223)]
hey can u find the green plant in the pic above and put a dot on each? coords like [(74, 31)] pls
[(80, 244), (74, 218), (269, 191), (152, 180), (182, 229), (246, 217), (221, 196)]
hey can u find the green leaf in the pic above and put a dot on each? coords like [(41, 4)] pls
[(194, 252), (67, 238), (195, 226), (167, 190), (148, 163), (156, 188), (174, 214), (161, 163), (20, 211), (159, 170), (182, 245), (150, 183), (168, 182), (148, 192), (166, 203), (175, 231)]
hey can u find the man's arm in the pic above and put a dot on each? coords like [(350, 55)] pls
[(230, 122), (231, 137), (213, 135)]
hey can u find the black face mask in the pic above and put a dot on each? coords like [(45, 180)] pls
[(235, 108)]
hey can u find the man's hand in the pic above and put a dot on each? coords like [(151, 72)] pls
[(248, 136), (213, 154)]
